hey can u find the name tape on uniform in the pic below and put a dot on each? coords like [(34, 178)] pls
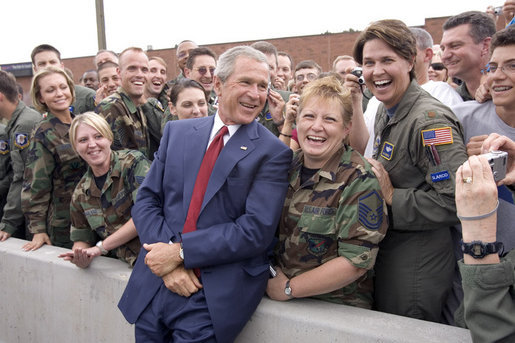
[(440, 176)]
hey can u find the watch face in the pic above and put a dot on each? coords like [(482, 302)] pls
[(287, 291), (476, 250)]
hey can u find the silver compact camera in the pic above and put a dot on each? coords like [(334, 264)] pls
[(358, 72), (498, 161), (498, 10)]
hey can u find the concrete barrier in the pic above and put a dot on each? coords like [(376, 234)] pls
[(45, 299)]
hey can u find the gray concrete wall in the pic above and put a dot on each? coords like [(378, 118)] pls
[(45, 299)]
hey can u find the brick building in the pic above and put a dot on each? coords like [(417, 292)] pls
[(323, 49)]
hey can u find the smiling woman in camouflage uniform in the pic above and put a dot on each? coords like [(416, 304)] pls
[(53, 168), (102, 201), (334, 215)]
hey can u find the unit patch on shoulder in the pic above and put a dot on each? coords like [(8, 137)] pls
[(370, 209), (268, 116), (21, 140), (387, 151), (4, 147), (437, 136)]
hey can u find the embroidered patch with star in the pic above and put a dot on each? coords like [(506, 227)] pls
[(21, 140), (4, 147), (370, 209), (387, 151)]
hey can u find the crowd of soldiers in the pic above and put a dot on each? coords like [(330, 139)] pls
[(40, 165)]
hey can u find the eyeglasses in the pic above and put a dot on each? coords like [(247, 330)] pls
[(507, 68), (438, 66), (203, 70), (309, 77)]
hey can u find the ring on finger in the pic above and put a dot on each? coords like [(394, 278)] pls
[(468, 179)]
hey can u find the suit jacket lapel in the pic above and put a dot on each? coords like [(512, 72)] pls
[(198, 137), (239, 146)]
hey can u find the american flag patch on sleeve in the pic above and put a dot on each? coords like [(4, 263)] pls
[(437, 136)]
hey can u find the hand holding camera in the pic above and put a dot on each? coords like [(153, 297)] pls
[(494, 143)]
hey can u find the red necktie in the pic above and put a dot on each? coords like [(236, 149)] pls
[(202, 180)]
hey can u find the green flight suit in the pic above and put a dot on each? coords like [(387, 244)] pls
[(488, 308), (415, 265)]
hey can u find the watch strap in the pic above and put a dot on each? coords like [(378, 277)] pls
[(100, 245), (287, 290), (479, 249)]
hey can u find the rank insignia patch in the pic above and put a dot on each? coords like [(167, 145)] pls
[(4, 147), (21, 140), (268, 116), (370, 209), (387, 151), (438, 136)]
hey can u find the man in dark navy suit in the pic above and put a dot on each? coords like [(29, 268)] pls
[(203, 285)]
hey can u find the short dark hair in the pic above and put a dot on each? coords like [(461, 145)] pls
[(308, 64), (481, 24), (504, 37), (198, 52), (181, 85), (109, 51), (284, 53), (8, 86), (265, 47), (107, 65), (44, 47), (19, 88), (395, 34)]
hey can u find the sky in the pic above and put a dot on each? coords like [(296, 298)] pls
[(70, 25)]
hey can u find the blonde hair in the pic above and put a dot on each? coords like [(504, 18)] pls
[(329, 88), (36, 88), (94, 120)]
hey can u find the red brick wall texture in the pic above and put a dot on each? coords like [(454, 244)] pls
[(323, 49)]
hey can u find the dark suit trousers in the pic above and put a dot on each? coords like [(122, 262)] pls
[(172, 318)]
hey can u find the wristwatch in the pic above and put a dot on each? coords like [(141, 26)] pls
[(287, 290), (100, 245), (181, 253), (478, 249)]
